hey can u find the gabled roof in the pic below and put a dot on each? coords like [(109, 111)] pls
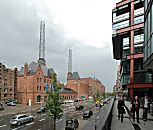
[(68, 91), (33, 68), (75, 76)]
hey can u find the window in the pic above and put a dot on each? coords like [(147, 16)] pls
[(10, 90), (138, 38), (10, 95), (40, 80), (44, 89), (37, 79), (152, 19), (5, 90), (146, 31), (38, 88), (38, 98), (5, 95), (152, 44), (45, 81), (139, 11), (139, 19), (149, 25)]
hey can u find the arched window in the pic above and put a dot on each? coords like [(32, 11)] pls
[(38, 98)]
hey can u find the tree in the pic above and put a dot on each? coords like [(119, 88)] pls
[(53, 103)]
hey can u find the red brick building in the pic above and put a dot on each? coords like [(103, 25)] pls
[(68, 94), (33, 82), (85, 87), (8, 82)]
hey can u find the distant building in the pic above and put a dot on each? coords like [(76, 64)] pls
[(68, 94), (85, 87), (8, 82), (34, 80)]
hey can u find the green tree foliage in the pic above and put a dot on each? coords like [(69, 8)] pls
[(53, 103)]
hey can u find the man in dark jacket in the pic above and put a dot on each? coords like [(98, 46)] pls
[(135, 108), (120, 107)]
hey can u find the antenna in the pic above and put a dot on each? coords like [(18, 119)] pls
[(42, 44), (70, 61)]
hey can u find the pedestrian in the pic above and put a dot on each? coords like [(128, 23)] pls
[(135, 108), (120, 107), (145, 108), (1, 104)]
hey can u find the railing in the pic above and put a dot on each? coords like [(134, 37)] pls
[(105, 123)]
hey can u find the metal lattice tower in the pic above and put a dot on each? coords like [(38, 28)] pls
[(70, 61), (42, 43)]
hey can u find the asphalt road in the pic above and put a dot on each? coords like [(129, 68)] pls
[(43, 122)]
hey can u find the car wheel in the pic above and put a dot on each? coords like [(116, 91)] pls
[(19, 123)]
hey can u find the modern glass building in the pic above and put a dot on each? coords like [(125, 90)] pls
[(128, 40), (148, 31)]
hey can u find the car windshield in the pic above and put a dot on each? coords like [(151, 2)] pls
[(14, 117), (69, 121)]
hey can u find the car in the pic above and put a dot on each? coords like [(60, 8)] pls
[(1, 108), (7, 101), (41, 109), (79, 107), (11, 104), (20, 119), (71, 124), (87, 114)]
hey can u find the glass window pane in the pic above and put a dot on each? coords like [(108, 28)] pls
[(148, 25)]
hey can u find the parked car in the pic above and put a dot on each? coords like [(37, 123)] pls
[(41, 110), (1, 108), (11, 104), (7, 101), (71, 124), (79, 107), (10, 100), (21, 118), (87, 114), (105, 101)]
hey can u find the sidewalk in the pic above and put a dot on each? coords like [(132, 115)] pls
[(128, 123), (117, 124), (19, 108), (147, 125)]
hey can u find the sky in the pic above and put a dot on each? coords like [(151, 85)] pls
[(85, 26)]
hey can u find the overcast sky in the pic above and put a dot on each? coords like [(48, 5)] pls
[(85, 26)]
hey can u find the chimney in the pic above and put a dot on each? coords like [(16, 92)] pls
[(26, 69)]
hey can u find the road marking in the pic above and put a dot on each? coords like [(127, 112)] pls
[(29, 124), (59, 120), (1, 119), (35, 117), (39, 129), (2, 126), (18, 128), (1, 115), (42, 115), (42, 119)]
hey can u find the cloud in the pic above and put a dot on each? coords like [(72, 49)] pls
[(83, 25)]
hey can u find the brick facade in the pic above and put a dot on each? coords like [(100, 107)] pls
[(33, 86), (8, 82), (86, 86)]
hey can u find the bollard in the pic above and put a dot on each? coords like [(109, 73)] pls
[(95, 127)]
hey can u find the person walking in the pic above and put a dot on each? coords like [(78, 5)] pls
[(135, 108), (145, 108), (120, 107)]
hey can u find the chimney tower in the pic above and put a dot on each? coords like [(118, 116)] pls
[(41, 59)]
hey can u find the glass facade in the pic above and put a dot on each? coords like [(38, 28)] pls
[(148, 30)]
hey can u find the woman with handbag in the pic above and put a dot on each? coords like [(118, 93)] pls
[(120, 107)]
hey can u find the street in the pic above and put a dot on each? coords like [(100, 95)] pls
[(44, 122)]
